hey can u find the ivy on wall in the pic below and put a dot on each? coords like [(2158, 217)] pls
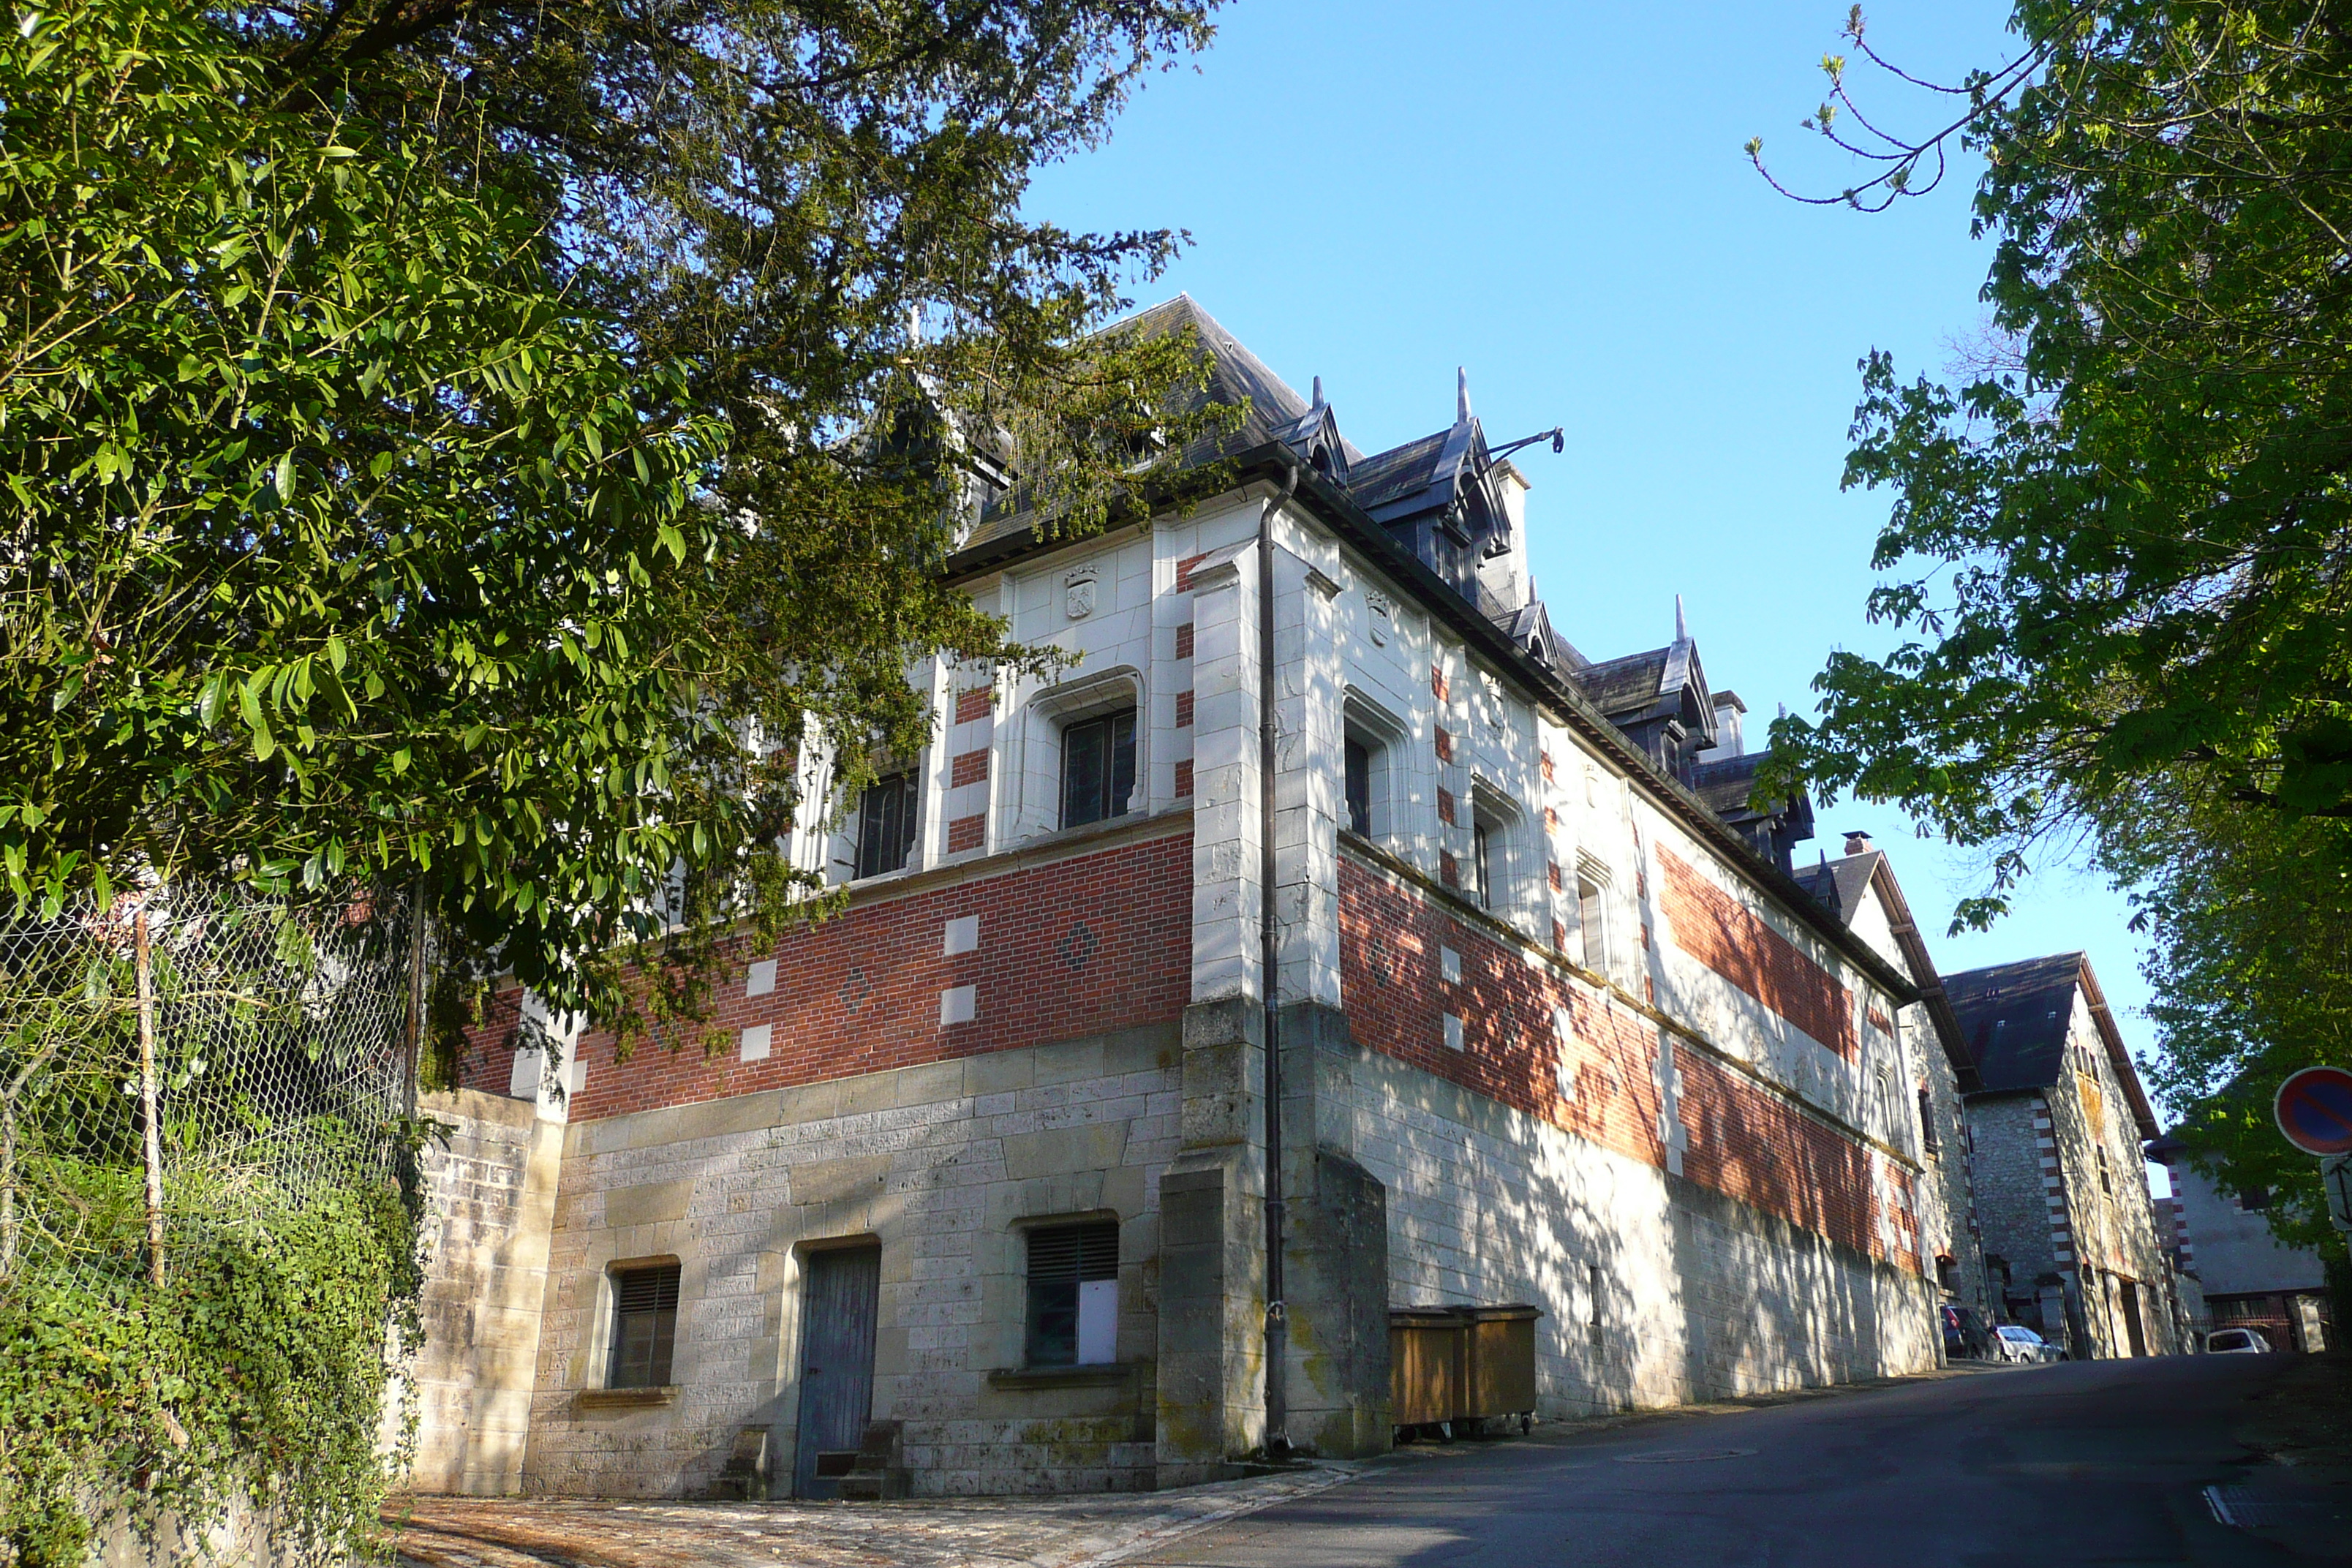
[(255, 1374)]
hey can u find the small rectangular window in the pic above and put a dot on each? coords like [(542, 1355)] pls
[(2255, 1200), (1592, 923), (1098, 768), (885, 824), (645, 1326), (1359, 788), (1482, 870), (1928, 1139), (1074, 1295)]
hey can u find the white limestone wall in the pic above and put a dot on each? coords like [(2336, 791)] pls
[(940, 1164), (1699, 1297)]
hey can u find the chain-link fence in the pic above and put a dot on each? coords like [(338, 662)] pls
[(188, 1058)]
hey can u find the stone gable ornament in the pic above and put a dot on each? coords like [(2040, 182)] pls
[(1079, 594)]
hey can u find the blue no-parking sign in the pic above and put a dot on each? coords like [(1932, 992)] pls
[(2315, 1110)]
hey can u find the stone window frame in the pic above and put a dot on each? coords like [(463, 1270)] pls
[(842, 834), (1364, 719), (1507, 875), (1036, 779), (1595, 873), (604, 1318)]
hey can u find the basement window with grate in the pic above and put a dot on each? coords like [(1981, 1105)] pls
[(645, 1326), (1074, 1295)]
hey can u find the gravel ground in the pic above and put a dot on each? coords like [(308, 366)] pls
[(947, 1532)]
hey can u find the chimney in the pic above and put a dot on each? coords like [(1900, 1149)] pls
[(1728, 742), (1857, 844)]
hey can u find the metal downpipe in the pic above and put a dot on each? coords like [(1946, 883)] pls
[(1277, 1332)]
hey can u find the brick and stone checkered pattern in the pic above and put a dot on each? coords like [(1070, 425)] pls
[(1722, 933), (1090, 942)]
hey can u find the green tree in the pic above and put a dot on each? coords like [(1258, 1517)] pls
[(338, 535), (2251, 917), (449, 452), (2120, 546)]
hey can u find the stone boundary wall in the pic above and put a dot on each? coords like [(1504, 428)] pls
[(489, 1203)]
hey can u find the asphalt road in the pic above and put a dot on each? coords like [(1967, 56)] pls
[(2093, 1462)]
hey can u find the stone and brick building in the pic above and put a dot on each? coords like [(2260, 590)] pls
[(2057, 1125), (997, 1185), (2242, 1275)]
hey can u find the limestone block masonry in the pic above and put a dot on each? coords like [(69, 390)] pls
[(489, 1201)]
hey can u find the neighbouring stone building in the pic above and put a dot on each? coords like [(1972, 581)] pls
[(2056, 1129), (977, 1196), (2245, 1276)]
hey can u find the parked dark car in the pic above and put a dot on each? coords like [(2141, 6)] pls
[(1964, 1335)]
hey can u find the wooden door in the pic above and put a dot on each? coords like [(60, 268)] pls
[(839, 1292), (2134, 1327)]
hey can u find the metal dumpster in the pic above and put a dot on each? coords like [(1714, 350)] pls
[(1498, 1354), (1425, 1364)]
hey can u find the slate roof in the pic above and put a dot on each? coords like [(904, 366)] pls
[(2015, 1018), (1530, 628), (1277, 411), (1626, 685), (1724, 785), (1400, 473)]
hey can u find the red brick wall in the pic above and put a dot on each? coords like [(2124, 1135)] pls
[(1744, 1141), (1758, 1148), (485, 1061), (1715, 928), (1397, 997), (860, 993)]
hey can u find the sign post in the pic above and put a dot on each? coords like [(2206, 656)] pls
[(2336, 1175), (2314, 1109)]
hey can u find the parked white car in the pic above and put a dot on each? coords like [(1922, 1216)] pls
[(2014, 1341), (2236, 1341)]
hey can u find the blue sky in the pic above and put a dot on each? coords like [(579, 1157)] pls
[(1556, 198)]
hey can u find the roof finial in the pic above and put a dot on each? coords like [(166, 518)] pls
[(1461, 396), (1682, 631), (1319, 392)]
